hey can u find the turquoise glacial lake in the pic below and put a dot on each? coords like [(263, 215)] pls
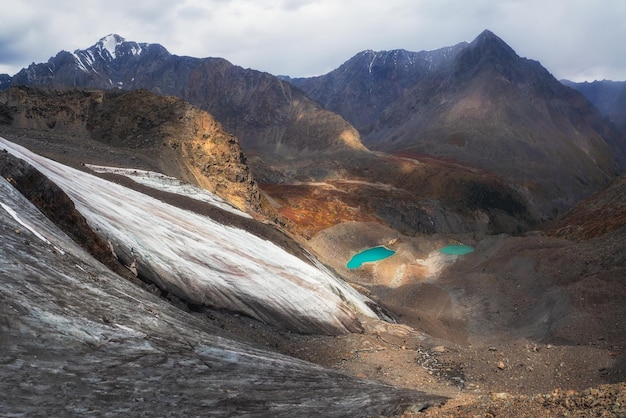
[(457, 249), (368, 256)]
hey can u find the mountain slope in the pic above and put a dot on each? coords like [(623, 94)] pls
[(77, 339), (608, 96), (600, 214), (265, 113), (486, 106), (365, 85)]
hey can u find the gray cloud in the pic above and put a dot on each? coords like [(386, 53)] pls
[(572, 39)]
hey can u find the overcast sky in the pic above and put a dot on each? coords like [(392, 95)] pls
[(574, 39)]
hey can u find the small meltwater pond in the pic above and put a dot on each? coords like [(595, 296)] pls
[(457, 249), (368, 256)]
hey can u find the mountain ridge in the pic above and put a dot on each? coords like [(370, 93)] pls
[(265, 113), (389, 83), (484, 105), (608, 96), (473, 103)]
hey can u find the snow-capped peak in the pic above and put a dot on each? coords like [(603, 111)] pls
[(106, 50), (110, 43)]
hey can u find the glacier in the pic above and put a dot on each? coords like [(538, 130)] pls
[(205, 262)]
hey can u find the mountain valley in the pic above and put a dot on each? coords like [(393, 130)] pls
[(469, 144)]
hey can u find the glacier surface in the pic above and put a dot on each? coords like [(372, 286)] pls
[(205, 262)]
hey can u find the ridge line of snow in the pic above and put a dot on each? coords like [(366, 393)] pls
[(372, 63)]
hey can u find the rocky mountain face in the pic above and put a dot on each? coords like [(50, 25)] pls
[(5, 81), (265, 113), (184, 141), (364, 86), (608, 96), (483, 105)]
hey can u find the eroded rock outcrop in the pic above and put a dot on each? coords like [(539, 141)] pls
[(186, 142)]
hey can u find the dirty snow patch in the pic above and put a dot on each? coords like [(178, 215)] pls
[(169, 184)]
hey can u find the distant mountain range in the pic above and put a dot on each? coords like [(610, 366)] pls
[(476, 105), (479, 103), (608, 96), (264, 112)]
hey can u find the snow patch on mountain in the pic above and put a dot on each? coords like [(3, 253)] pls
[(84, 60), (169, 184), (107, 49), (110, 43), (371, 64)]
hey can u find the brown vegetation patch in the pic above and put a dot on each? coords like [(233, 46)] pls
[(314, 208)]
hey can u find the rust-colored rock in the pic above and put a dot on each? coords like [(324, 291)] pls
[(182, 141)]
